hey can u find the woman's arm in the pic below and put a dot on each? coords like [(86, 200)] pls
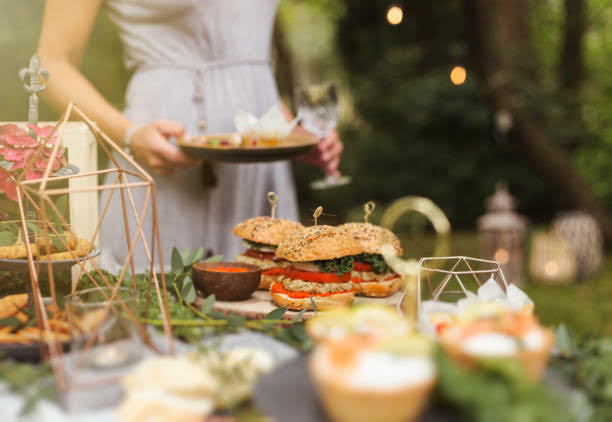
[(67, 25), (66, 29)]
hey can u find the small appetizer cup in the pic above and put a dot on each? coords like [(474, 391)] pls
[(533, 361), (228, 281), (345, 401)]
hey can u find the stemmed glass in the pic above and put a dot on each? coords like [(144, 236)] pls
[(318, 113)]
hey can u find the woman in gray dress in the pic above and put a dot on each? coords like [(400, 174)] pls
[(193, 61)]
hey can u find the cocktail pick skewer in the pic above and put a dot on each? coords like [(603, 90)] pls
[(272, 199), (368, 209), (317, 213)]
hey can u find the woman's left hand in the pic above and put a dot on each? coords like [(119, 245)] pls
[(326, 155)]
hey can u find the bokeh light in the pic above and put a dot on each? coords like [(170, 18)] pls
[(395, 14), (502, 256), (458, 75), (551, 268)]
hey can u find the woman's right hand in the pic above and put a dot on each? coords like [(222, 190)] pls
[(151, 148)]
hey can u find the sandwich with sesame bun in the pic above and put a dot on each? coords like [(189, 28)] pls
[(372, 276), (320, 262), (261, 235)]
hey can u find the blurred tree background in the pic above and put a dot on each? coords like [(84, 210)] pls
[(407, 129)]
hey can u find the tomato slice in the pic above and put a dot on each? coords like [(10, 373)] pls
[(273, 271), (278, 288), (362, 266), (260, 255), (316, 276)]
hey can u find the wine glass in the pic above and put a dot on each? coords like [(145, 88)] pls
[(318, 113)]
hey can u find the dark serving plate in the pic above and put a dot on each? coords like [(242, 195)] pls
[(21, 265), (287, 394), (292, 147), (25, 352)]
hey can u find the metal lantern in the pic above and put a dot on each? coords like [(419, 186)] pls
[(552, 259), (502, 233)]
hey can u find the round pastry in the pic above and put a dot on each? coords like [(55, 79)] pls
[(261, 235), (372, 276)]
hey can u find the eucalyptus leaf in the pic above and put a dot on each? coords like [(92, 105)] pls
[(185, 252), (298, 316), (313, 304), (188, 291), (33, 226), (59, 245), (276, 313), (11, 322), (299, 333), (189, 257), (199, 253), (217, 315), (60, 300), (214, 258), (208, 304), (191, 295), (7, 238), (235, 321), (62, 204), (565, 341), (177, 261)]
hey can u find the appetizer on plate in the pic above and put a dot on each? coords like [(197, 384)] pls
[(320, 264), (13, 308), (367, 320), (362, 379), (268, 131), (434, 316), (372, 276), (261, 236), (189, 387), (489, 330)]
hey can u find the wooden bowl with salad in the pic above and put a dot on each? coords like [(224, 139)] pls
[(228, 281)]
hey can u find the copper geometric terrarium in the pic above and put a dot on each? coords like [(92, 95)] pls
[(40, 197), (448, 279)]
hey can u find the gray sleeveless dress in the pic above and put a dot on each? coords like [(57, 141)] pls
[(197, 60)]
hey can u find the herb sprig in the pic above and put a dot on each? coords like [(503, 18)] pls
[(190, 323)]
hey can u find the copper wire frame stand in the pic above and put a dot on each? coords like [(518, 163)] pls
[(36, 193), (460, 266)]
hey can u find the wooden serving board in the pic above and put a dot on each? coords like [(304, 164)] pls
[(260, 304)]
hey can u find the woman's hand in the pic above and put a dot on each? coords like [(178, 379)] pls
[(326, 155), (151, 148)]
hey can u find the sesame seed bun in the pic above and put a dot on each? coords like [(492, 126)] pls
[(371, 238), (269, 231), (322, 302), (317, 243)]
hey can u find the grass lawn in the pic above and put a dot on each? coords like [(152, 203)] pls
[(584, 306)]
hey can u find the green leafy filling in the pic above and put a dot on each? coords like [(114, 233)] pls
[(256, 245), (379, 266), (338, 265)]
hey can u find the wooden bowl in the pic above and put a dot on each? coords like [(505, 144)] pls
[(226, 286)]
